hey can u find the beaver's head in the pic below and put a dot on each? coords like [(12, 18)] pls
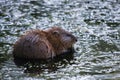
[(61, 38)]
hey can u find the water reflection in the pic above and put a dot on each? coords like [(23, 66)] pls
[(38, 65)]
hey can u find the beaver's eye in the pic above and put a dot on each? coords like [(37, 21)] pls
[(56, 33)]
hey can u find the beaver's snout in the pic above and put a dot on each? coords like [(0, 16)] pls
[(73, 37), (76, 39)]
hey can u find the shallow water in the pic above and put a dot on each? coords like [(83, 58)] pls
[(96, 23)]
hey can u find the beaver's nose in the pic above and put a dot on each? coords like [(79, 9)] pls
[(75, 39)]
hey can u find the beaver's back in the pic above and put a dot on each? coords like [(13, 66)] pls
[(33, 44)]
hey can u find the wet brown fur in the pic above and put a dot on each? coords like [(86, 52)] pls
[(39, 44)]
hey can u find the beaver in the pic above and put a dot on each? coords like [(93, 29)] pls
[(43, 44)]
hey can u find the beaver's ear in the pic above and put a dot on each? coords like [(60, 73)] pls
[(56, 33)]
